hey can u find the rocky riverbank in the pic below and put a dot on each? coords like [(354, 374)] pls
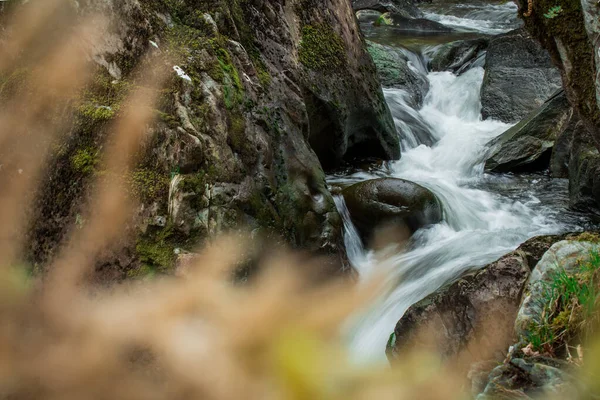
[(262, 97)]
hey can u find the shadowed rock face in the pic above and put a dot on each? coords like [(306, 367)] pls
[(572, 41), (458, 56), (385, 202), (274, 90), (519, 77), (528, 145)]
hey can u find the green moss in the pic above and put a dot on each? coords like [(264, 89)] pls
[(85, 160), (155, 254), (149, 185), (171, 121), (321, 49), (233, 89), (96, 113), (195, 183), (588, 237), (11, 84), (264, 77), (142, 271)]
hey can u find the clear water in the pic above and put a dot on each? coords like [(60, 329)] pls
[(485, 216)]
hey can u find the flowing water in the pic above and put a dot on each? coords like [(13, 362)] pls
[(485, 215)]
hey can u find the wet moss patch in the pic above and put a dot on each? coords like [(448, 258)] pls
[(321, 49)]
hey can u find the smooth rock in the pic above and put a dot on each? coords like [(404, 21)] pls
[(394, 70), (528, 145), (458, 56), (519, 77), (377, 203)]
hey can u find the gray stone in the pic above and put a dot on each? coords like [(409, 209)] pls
[(383, 202), (519, 77), (528, 145), (458, 56), (394, 71)]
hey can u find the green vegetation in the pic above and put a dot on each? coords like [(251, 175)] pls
[(148, 184), (322, 49), (570, 309), (384, 19), (553, 12), (155, 254), (11, 84), (85, 160)]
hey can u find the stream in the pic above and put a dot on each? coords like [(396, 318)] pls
[(485, 215)]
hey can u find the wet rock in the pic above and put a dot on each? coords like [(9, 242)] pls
[(394, 70), (528, 379), (566, 255), (405, 8), (401, 23), (584, 172), (263, 97), (474, 315), (519, 77), (458, 56), (378, 203), (561, 152), (528, 145)]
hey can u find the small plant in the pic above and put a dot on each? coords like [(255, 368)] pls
[(570, 306), (553, 12), (383, 20), (85, 160)]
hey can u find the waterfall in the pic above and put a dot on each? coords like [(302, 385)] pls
[(444, 144)]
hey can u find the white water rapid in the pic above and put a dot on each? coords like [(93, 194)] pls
[(486, 216)]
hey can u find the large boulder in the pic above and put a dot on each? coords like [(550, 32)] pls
[(528, 145), (262, 98), (395, 71), (477, 312), (383, 202), (519, 77), (458, 56), (405, 8), (571, 38)]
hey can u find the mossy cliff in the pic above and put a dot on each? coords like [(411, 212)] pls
[(265, 93), (569, 30)]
